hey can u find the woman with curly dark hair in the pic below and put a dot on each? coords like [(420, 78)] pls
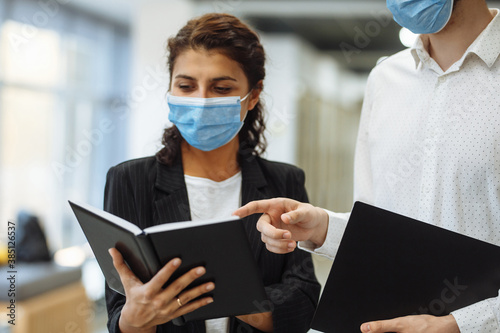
[(209, 166)]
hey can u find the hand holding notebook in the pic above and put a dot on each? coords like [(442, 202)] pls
[(148, 304), (144, 263)]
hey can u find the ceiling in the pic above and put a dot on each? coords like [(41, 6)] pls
[(116, 10), (356, 43), (356, 32)]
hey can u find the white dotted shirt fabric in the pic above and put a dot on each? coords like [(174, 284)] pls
[(429, 148), (209, 199)]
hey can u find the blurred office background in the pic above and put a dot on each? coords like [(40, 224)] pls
[(83, 83)]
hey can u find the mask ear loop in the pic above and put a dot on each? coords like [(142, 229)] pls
[(241, 100)]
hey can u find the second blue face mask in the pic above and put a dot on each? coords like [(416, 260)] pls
[(421, 16), (206, 123)]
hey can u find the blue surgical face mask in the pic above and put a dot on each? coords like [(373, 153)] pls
[(206, 123), (421, 16)]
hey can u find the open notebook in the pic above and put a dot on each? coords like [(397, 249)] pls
[(220, 245)]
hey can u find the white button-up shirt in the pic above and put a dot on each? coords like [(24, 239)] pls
[(429, 148)]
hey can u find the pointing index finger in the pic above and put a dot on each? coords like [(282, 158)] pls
[(254, 207)]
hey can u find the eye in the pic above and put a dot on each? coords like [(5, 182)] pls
[(222, 90), (185, 86)]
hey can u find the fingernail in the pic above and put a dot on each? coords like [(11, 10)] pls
[(287, 235), (210, 300), (291, 245), (367, 328), (210, 286), (200, 271), (176, 262)]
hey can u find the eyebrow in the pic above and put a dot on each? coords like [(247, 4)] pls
[(183, 76), (216, 79), (223, 78)]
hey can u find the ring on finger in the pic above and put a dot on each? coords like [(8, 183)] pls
[(179, 302)]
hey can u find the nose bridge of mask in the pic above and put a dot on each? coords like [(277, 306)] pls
[(202, 102), (205, 101), (204, 111)]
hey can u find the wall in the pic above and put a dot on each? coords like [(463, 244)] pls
[(152, 24)]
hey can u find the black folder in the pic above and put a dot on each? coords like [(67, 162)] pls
[(389, 265), (221, 246)]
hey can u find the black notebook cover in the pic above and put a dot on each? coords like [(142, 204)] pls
[(389, 265), (222, 247)]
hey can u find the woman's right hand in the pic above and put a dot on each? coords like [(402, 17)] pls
[(148, 304)]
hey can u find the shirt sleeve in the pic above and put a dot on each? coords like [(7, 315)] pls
[(337, 222), (482, 317)]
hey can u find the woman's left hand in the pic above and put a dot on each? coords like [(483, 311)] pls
[(413, 324)]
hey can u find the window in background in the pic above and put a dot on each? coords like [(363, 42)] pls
[(62, 74)]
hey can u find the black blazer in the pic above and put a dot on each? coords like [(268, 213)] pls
[(146, 192)]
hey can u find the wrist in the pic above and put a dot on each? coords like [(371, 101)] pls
[(321, 229), (127, 327), (450, 324)]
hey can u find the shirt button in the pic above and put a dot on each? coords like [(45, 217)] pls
[(442, 79)]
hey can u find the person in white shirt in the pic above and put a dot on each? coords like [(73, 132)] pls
[(428, 147)]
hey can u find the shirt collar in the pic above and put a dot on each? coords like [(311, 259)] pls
[(482, 46), (419, 50)]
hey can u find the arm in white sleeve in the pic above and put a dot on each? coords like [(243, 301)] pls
[(483, 316)]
